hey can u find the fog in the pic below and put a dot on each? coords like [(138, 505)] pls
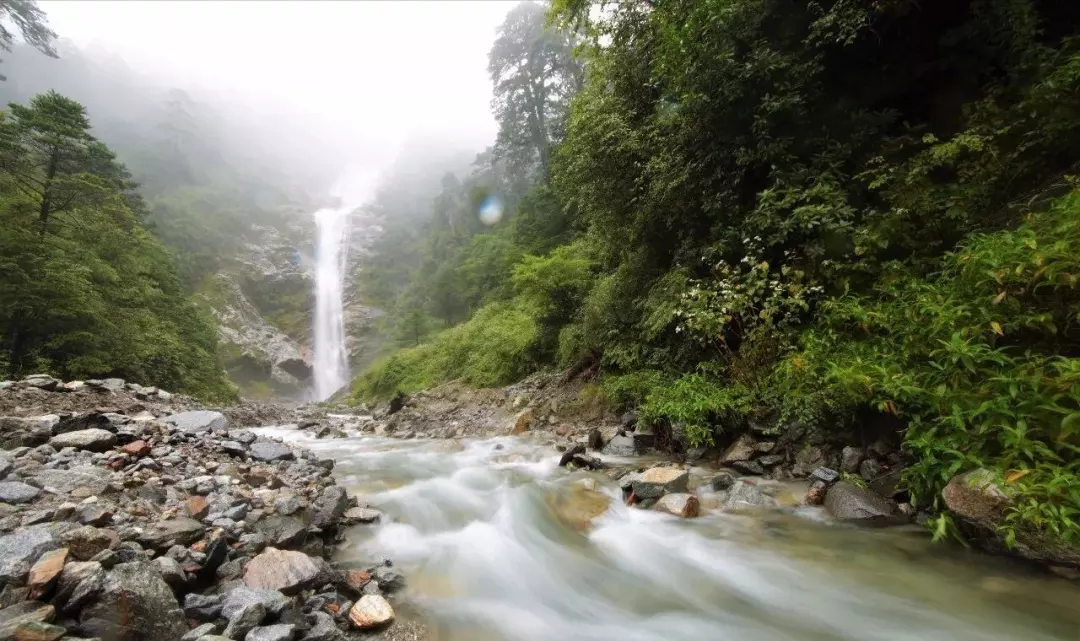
[(333, 87)]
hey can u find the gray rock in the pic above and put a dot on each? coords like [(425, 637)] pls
[(747, 496), (362, 515), (278, 632), (198, 421), (977, 496), (234, 448), (596, 439), (247, 437), (17, 492), (771, 460), (849, 502), (850, 458), (390, 580), (94, 479), (171, 571), (135, 602), (741, 450), (93, 514), (330, 506), (203, 607), (722, 481), (22, 614), (620, 446), (163, 534), (241, 597), (288, 505), (825, 475), (282, 531), (197, 633), (286, 571), (93, 439), (808, 459), (19, 550), (269, 451), (869, 469), (79, 582), (888, 484), (244, 621), (322, 628), (748, 467)]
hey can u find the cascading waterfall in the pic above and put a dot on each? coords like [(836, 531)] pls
[(331, 367)]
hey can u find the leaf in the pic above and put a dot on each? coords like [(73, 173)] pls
[(997, 328), (1017, 475), (1000, 297)]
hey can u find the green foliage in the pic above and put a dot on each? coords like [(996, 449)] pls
[(86, 290), (494, 347)]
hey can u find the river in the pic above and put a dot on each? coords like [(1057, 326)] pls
[(496, 544)]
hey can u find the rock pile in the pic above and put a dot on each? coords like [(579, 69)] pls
[(132, 521)]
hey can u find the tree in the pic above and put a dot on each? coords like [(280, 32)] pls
[(534, 74), (53, 158), (31, 23)]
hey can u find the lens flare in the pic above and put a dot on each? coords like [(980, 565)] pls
[(491, 210)]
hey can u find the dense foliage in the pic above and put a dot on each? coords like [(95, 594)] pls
[(85, 289), (796, 210)]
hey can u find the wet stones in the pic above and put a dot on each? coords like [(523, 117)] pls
[(747, 496), (682, 505), (620, 446), (741, 450), (849, 502), (371, 611), (657, 481)]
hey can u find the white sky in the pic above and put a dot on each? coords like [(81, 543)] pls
[(369, 73)]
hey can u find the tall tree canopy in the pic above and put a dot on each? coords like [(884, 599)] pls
[(30, 20)]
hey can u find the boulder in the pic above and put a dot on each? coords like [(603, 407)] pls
[(523, 421), (16, 616), (164, 534), (849, 502), (196, 633), (596, 439), (722, 481), (741, 450), (362, 515), (282, 531), (171, 571), (93, 439), (242, 596), (269, 451), (976, 496), (748, 467), (17, 492), (808, 459), (825, 475), (850, 458), (39, 631), (244, 620), (371, 611), (198, 421), (620, 446), (19, 551), (658, 481), (322, 628), (888, 484), (205, 607), (680, 504), (94, 479), (747, 496), (869, 469), (285, 571), (815, 494), (79, 583), (134, 603), (328, 508)]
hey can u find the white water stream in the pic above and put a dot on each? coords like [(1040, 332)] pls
[(331, 366), (489, 535)]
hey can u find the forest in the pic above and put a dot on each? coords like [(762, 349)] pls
[(725, 211)]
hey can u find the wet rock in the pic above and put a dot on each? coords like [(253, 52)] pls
[(888, 484), (17, 492), (681, 504), (747, 496), (596, 439), (322, 628), (163, 534), (282, 531), (242, 596), (976, 496), (849, 502), (741, 450), (722, 481), (362, 515), (269, 451), (770, 460), (244, 620), (569, 454), (45, 572), (620, 446), (643, 441), (390, 580), (328, 508), (93, 439), (850, 458), (747, 467), (764, 447), (657, 481), (278, 632), (288, 572), (204, 607), (808, 459), (825, 475), (134, 603), (869, 469), (815, 494), (19, 550), (198, 421), (371, 611)]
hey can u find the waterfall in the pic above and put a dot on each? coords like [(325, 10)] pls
[(331, 367)]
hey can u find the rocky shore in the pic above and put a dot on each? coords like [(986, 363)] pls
[(127, 512)]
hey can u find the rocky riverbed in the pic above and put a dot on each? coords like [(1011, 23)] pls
[(126, 513)]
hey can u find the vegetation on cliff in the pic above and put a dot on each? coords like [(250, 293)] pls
[(799, 211)]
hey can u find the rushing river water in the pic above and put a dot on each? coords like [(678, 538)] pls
[(494, 539)]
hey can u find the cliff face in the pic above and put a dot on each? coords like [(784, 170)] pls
[(263, 301)]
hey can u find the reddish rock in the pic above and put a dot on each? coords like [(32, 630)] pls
[(136, 448), (197, 506), (45, 571), (357, 578), (562, 430), (815, 495)]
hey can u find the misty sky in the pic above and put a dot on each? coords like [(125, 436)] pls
[(369, 74)]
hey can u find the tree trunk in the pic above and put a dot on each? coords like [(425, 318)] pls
[(46, 192)]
